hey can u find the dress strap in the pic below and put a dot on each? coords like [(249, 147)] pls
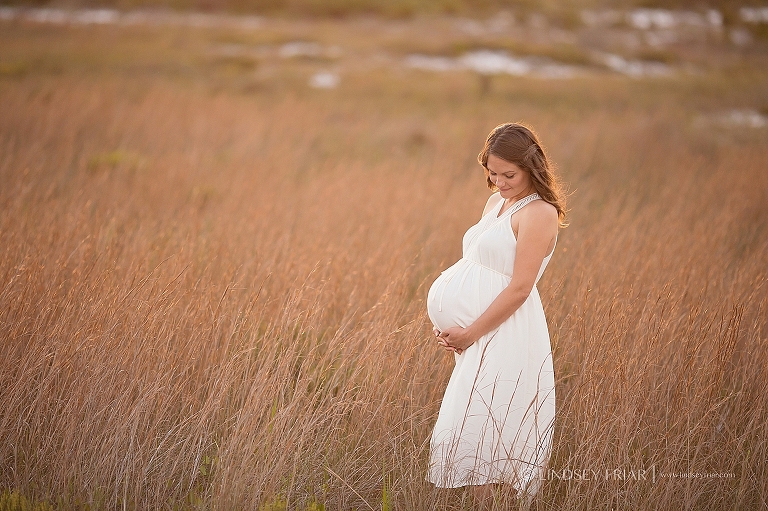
[(518, 205)]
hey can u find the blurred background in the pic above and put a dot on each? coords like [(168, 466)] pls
[(219, 221)]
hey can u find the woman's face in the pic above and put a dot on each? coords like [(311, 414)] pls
[(512, 181)]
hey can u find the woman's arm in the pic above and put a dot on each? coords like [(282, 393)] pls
[(537, 228)]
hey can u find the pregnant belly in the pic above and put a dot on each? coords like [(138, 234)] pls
[(462, 293)]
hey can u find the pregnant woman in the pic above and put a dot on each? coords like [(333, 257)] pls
[(496, 419)]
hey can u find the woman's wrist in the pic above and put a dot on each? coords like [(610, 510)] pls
[(472, 333)]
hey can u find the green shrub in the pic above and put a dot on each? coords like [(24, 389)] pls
[(12, 500)]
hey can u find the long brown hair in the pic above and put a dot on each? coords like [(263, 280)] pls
[(518, 144)]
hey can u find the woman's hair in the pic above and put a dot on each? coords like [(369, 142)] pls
[(518, 144)]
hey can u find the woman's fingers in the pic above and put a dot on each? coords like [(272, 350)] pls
[(443, 342), (447, 347)]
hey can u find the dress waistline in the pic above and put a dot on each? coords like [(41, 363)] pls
[(488, 267)]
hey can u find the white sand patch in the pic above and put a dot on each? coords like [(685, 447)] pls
[(295, 49), (634, 68), (324, 80), (492, 62), (754, 14), (114, 17), (746, 118), (653, 19)]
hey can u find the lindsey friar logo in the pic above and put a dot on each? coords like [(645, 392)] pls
[(616, 474)]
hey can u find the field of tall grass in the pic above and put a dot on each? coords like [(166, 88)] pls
[(213, 277)]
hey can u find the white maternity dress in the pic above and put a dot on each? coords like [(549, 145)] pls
[(497, 415)]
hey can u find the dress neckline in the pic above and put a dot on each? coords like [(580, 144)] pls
[(513, 207)]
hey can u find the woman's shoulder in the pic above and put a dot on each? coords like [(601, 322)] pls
[(541, 212), (492, 202), (542, 207)]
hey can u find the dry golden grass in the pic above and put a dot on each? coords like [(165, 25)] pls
[(212, 297)]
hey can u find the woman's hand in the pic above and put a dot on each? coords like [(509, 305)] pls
[(442, 343), (455, 339)]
